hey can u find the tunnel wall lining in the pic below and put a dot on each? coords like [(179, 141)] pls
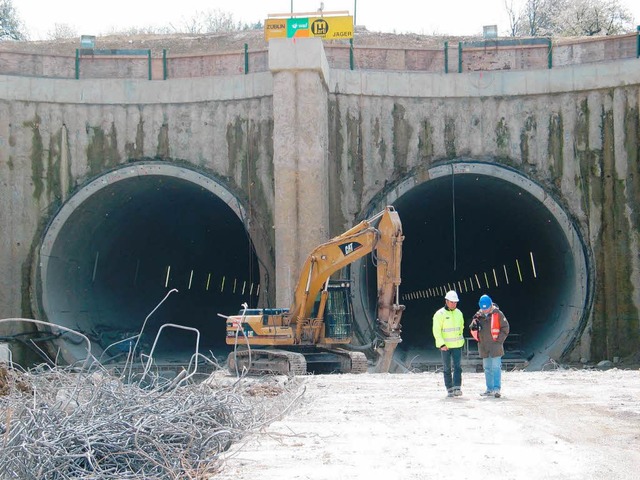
[(130, 171), (572, 320)]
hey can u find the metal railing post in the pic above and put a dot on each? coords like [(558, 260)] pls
[(164, 63), (550, 54), (460, 57), (149, 64), (446, 57), (246, 58), (351, 60), (77, 64), (638, 37)]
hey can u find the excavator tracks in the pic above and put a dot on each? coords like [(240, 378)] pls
[(358, 362), (264, 362), (284, 362), (336, 360), (352, 362)]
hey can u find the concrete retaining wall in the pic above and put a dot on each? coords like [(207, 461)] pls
[(574, 130)]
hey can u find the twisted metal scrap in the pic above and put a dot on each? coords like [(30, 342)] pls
[(58, 423)]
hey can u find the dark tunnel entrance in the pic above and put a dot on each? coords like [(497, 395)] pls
[(481, 228), (120, 244)]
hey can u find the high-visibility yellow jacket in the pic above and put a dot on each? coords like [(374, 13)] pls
[(448, 327)]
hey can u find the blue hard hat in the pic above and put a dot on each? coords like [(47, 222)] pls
[(485, 302)]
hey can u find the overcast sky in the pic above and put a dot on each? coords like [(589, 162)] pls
[(87, 17)]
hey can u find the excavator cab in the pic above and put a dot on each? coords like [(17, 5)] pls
[(338, 313)]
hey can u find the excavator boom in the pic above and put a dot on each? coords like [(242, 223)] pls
[(303, 325)]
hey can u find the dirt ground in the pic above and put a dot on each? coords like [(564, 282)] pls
[(560, 424), (185, 44)]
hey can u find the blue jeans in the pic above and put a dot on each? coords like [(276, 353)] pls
[(492, 373), (453, 355)]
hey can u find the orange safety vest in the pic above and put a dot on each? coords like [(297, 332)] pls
[(495, 328), (495, 325)]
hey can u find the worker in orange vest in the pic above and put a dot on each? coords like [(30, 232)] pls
[(490, 327)]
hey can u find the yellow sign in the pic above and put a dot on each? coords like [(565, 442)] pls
[(275, 28), (329, 28)]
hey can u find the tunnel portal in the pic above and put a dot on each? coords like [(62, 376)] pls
[(121, 243), (482, 228)]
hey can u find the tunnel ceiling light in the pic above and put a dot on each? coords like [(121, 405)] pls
[(462, 285), (533, 265), (519, 272), (95, 267), (135, 276)]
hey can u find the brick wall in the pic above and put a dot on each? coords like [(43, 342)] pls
[(490, 55)]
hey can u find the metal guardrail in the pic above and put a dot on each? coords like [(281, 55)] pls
[(111, 52), (462, 47), (497, 43)]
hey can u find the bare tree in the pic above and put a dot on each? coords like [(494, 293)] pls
[(141, 30), (562, 18), (539, 17), (11, 27), (594, 17), (62, 31), (218, 21), (211, 21), (514, 18)]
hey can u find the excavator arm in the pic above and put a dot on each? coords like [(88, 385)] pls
[(380, 235), (388, 258), (296, 336)]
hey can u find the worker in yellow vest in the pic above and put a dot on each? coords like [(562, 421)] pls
[(491, 328), (448, 327)]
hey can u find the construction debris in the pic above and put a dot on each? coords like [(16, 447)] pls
[(69, 422)]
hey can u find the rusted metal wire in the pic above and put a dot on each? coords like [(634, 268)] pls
[(87, 423)]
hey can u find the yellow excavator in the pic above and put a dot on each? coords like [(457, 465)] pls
[(315, 332)]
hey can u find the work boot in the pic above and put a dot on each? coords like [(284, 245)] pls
[(451, 392), (457, 392), (486, 394), (496, 394)]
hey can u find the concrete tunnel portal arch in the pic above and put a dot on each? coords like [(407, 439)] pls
[(479, 227), (120, 243), (116, 248)]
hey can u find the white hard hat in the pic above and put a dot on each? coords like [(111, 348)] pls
[(452, 296)]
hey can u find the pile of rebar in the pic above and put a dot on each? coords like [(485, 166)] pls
[(65, 423)]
